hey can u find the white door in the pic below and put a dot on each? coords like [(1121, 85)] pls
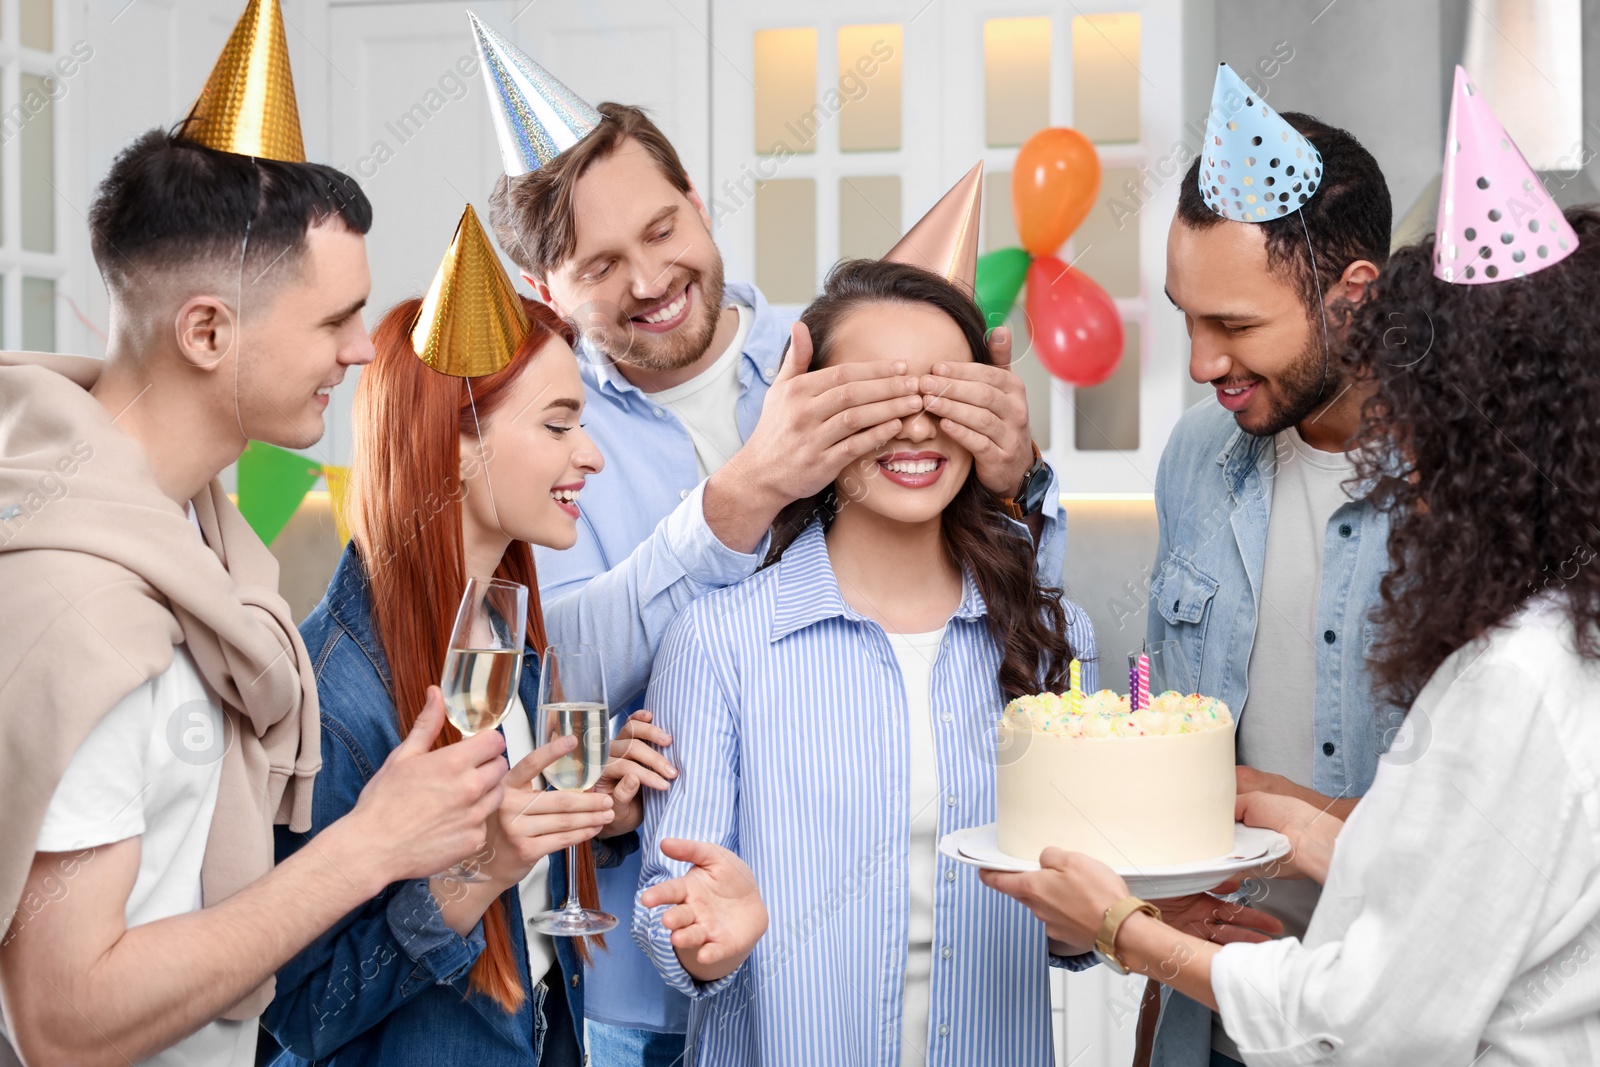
[(789, 184)]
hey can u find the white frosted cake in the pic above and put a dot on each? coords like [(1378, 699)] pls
[(1131, 788)]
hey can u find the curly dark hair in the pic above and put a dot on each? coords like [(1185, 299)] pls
[(1483, 440), (1026, 620), (1346, 220)]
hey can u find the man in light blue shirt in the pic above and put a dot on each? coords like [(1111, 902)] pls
[(687, 382), (1269, 559)]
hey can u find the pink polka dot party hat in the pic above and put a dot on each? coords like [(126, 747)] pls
[(1496, 220)]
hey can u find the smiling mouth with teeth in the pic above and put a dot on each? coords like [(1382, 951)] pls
[(566, 496), (668, 312), (911, 466)]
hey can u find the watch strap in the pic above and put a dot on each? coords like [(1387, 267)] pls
[(1014, 505), (1105, 942)]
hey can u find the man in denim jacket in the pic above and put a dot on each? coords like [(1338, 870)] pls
[(1268, 563)]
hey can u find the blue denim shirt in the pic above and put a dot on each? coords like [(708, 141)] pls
[(1213, 502), (388, 983), (650, 469)]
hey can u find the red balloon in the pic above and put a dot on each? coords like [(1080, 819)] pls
[(1077, 330)]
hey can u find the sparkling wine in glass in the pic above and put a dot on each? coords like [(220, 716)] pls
[(483, 668), (572, 703)]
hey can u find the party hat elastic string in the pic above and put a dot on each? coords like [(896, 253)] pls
[(238, 329), (1322, 308), (483, 459)]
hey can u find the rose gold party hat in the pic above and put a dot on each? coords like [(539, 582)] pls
[(945, 240), (247, 106), (1496, 221), (471, 322)]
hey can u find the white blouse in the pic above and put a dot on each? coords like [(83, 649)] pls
[(1458, 922)]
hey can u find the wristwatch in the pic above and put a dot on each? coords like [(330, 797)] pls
[(1030, 495), (1105, 942)]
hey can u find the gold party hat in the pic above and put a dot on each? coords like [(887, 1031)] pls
[(945, 240), (471, 322), (247, 106)]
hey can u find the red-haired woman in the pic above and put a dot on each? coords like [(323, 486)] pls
[(438, 971)]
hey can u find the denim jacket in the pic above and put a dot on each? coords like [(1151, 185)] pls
[(387, 984), (1213, 502)]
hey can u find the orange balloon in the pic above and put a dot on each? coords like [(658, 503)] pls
[(1053, 186)]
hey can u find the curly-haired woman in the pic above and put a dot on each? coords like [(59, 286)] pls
[(1460, 915)]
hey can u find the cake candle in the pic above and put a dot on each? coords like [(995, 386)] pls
[(1144, 680), (1075, 694), (1133, 688)]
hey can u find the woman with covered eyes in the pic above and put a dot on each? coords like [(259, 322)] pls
[(448, 484), (833, 715)]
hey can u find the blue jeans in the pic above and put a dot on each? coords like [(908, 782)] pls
[(616, 1046)]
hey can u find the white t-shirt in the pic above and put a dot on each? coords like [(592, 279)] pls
[(150, 769), (708, 403), (915, 654), (1276, 732), (534, 889)]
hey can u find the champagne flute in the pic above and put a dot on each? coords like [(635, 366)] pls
[(1167, 665), (572, 703), (483, 668)]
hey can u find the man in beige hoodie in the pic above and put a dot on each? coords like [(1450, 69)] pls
[(157, 709)]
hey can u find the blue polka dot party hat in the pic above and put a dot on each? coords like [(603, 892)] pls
[(1254, 166)]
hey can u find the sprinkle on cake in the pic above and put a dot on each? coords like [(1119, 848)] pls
[(1106, 714)]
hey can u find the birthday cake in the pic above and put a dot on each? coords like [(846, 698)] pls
[(1132, 787)]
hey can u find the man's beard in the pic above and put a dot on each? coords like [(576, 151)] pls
[(1302, 386), (624, 343)]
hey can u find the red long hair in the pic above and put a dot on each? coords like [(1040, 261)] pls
[(405, 518)]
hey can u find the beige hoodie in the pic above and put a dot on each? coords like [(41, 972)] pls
[(100, 578)]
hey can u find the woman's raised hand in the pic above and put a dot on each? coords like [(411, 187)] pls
[(635, 761), (717, 915)]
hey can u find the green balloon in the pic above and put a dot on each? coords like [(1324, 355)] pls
[(1000, 278), (272, 482)]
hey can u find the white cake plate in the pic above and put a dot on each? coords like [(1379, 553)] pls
[(979, 846)]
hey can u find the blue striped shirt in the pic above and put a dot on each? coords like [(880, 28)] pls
[(790, 733)]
